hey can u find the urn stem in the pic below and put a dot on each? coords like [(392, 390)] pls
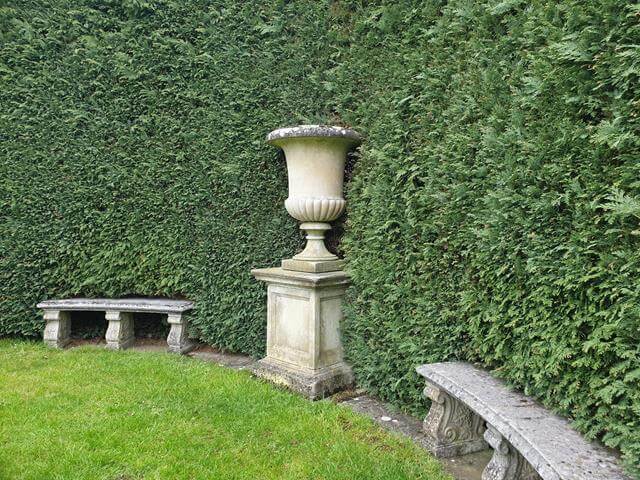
[(315, 250)]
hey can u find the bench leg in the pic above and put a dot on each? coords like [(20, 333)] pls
[(120, 330), (178, 339), (506, 463), (451, 428), (57, 328)]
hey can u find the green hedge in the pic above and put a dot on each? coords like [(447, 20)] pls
[(493, 213), (133, 153)]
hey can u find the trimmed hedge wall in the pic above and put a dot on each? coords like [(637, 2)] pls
[(493, 212), (133, 153)]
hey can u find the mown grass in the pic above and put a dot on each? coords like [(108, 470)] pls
[(87, 413)]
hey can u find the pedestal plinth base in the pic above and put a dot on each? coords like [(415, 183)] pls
[(304, 312), (313, 384)]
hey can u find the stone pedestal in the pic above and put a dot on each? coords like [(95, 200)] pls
[(304, 350), (506, 463)]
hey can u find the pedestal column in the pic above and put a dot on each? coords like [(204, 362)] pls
[(304, 311), (57, 329), (178, 339)]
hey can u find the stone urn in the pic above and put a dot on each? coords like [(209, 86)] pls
[(305, 294), (315, 156)]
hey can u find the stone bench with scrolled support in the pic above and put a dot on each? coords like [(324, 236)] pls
[(471, 411), (119, 314)]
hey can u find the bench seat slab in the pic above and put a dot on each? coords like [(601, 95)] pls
[(451, 429), (142, 305), (120, 334)]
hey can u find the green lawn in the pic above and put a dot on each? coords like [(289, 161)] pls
[(88, 413)]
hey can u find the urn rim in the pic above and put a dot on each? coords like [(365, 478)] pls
[(314, 131)]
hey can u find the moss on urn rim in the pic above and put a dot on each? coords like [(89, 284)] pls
[(311, 131)]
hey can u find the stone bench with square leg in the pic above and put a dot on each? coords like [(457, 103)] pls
[(471, 411), (119, 313)]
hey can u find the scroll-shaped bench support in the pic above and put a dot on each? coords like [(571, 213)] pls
[(451, 428), (506, 463), (120, 330), (57, 329), (178, 338), (529, 442)]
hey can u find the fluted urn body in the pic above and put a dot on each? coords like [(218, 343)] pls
[(315, 156)]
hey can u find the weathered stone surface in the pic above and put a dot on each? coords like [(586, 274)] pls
[(310, 266), (451, 429), (178, 339), (554, 449), (311, 131), (304, 350), (315, 156), (279, 276), (57, 328), (314, 384), (506, 463), (119, 334), (143, 305), (119, 314)]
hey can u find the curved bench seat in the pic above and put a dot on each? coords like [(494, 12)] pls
[(529, 441)]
